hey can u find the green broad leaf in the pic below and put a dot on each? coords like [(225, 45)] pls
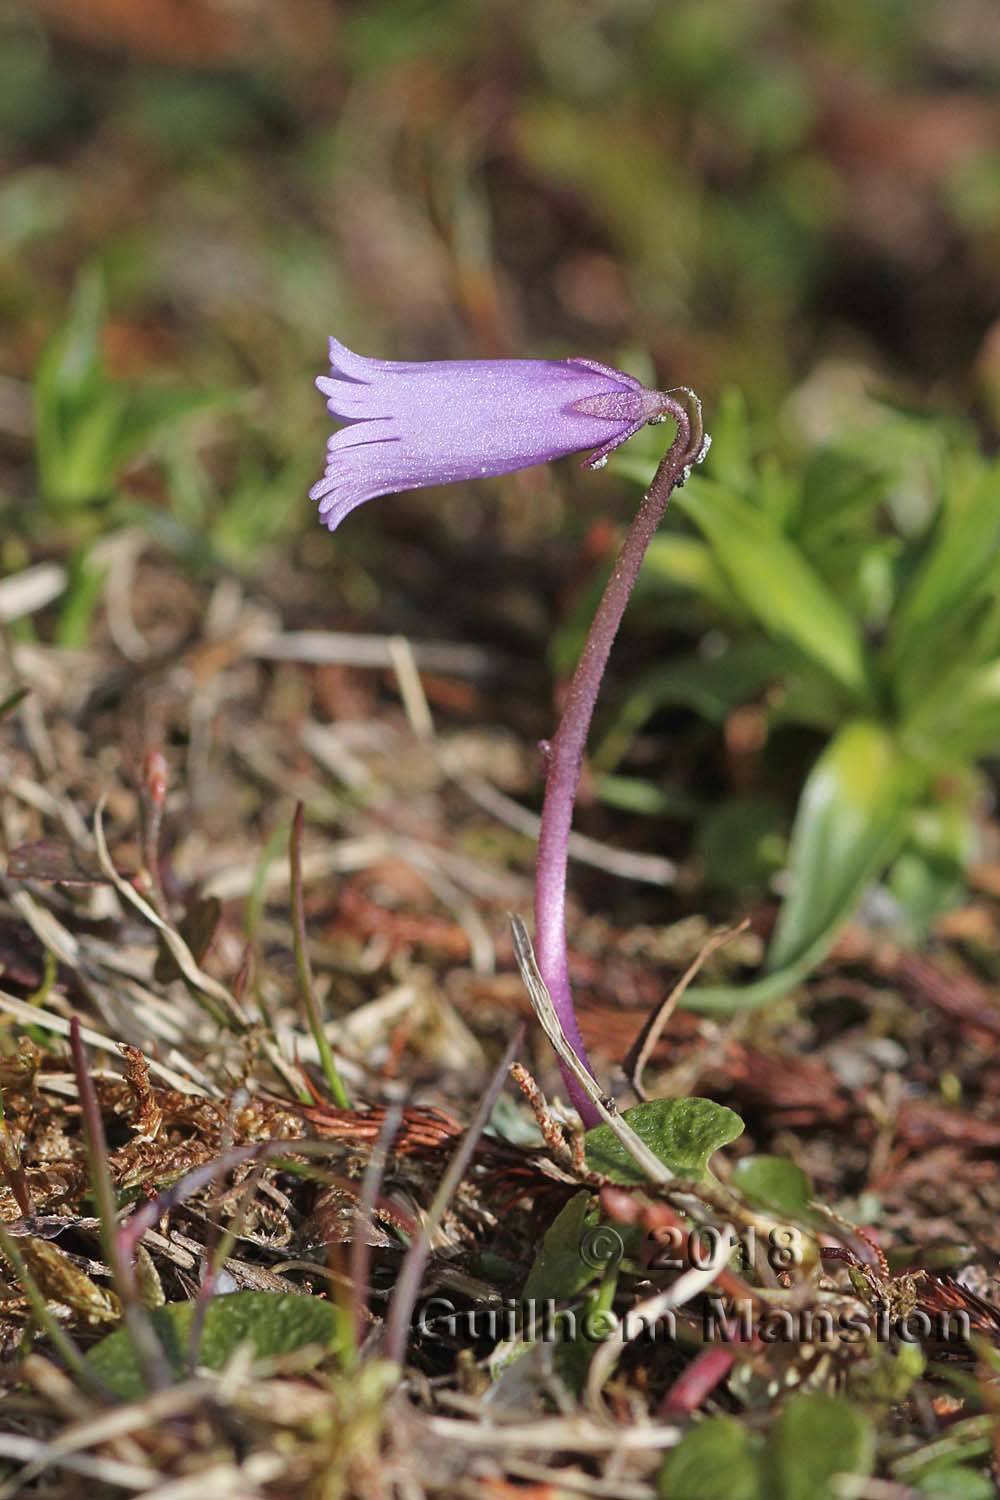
[(88, 426), (929, 683), (719, 1459), (79, 603), (636, 794), (964, 555), (957, 1483), (560, 1271), (730, 458), (815, 1437), (928, 875), (260, 507), (272, 1322), (809, 698), (71, 370), (776, 583), (961, 717), (723, 1000), (87, 471), (889, 1376), (863, 574), (966, 1442), (775, 494), (851, 818), (773, 1183), (948, 620), (853, 815), (683, 1133)]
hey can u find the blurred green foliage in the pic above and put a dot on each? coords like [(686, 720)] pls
[(796, 199), (814, 1439), (88, 426), (748, 190), (855, 593)]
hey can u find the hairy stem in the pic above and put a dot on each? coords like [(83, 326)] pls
[(565, 758)]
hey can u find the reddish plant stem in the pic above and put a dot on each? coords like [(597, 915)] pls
[(565, 758), (697, 1382)]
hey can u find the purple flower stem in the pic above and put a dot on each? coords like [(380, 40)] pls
[(565, 758)]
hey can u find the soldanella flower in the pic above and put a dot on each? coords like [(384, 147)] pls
[(411, 424)]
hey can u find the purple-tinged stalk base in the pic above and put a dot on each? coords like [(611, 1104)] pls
[(565, 754)]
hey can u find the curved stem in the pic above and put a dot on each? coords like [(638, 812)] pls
[(567, 748)]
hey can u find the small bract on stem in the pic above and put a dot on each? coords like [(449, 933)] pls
[(408, 425)]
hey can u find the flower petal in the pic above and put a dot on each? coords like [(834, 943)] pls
[(416, 424)]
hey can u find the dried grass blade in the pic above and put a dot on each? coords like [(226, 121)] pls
[(541, 1002), (181, 953), (30, 1015), (638, 1055)]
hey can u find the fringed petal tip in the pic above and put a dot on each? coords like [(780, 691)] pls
[(333, 507), (323, 486), (344, 361)]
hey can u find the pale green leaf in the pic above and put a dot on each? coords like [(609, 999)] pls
[(815, 1437), (851, 817), (719, 1459), (683, 1133), (272, 1322), (773, 1183), (559, 1270)]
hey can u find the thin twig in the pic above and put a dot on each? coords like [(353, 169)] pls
[(150, 1213), (625, 864), (30, 590), (411, 689), (41, 1455)]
